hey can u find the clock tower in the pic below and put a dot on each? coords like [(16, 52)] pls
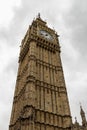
[(40, 98)]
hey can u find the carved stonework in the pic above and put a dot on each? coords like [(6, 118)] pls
[(27, 112), (40, 99)]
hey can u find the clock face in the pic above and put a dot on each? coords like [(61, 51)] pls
[(45, 34)]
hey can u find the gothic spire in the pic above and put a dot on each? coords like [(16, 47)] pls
[(75, 120), (82, 113), (38, 15)]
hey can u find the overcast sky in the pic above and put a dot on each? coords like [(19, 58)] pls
[(69, 19)]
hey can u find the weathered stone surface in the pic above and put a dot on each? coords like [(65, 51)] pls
[(40, 99)]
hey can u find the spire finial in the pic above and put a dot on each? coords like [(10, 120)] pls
[(38, 15), (75, 119), (80, 105), (76, 122)]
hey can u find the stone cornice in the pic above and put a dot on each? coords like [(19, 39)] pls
[(50, 45), (53, 125), (45, 112), (56, 68), (59, 89)]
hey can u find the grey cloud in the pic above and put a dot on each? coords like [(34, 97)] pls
[(71, 24), (12, 66), (76, 20)]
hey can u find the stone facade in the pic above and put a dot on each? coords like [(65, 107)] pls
[(40, 98)]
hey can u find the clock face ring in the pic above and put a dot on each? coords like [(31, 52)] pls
[(45, 34)]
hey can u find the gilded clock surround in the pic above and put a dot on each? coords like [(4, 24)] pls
[(45, 34)]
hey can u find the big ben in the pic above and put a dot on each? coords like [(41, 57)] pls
[(40, 98)]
